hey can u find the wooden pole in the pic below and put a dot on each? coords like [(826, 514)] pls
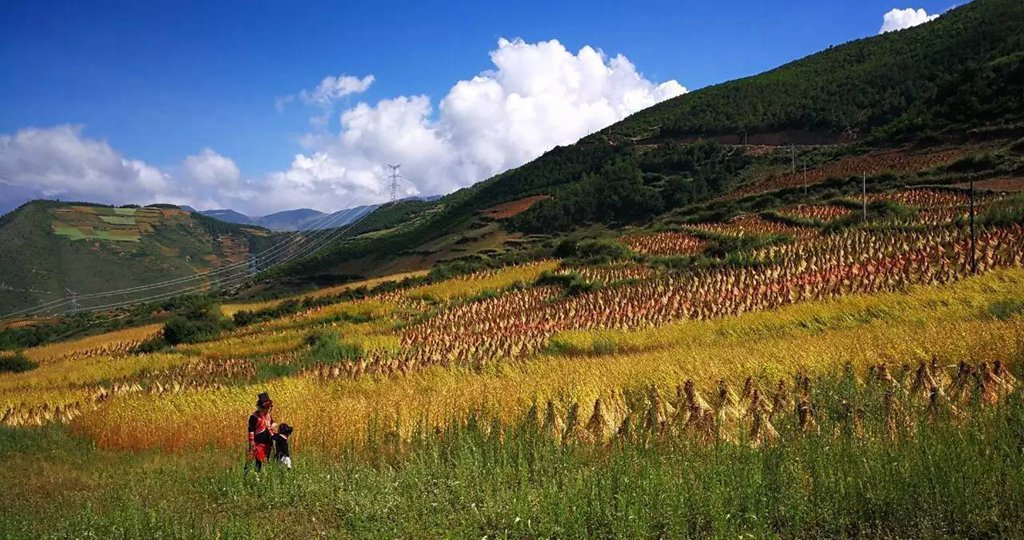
[(974, 237), (864, 193)]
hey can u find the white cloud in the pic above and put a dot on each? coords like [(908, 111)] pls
[(59, 162), (212, 169), (62, 163), (899, 19), (537, 96), (332, 89)]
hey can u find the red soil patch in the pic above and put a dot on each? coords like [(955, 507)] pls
[(997, 184), (513, 208), (824, 213), (754, 225), (664, 243)]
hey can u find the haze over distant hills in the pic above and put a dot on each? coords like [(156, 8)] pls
[(302, 219)]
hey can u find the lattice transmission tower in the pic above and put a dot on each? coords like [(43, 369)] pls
[(394, 176)]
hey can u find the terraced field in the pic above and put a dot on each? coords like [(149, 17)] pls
[(808, 339)]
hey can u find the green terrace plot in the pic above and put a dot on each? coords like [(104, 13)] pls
[(118, 220), (102, 223), (76, 233)]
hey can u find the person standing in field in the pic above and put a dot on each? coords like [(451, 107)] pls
[(260, 436)]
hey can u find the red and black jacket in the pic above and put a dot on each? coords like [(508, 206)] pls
[(259, 429)]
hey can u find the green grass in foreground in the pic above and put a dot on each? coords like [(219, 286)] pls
[(941, 479)]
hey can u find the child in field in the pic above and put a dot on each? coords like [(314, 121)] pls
[(259, 431), (281, 445)]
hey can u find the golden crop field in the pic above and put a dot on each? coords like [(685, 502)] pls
[(109, 343), (866, 338), (231, 309), (812, 338), (496, 279)]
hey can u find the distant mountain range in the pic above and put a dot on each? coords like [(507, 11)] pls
[(302, 219)]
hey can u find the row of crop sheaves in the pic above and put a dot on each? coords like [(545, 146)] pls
[(520, 322), (196, 376), (816, 212), (611, 273), (936, 198), (895, 161), (933, 207), (665, 243), (886, 405), (754, 225)]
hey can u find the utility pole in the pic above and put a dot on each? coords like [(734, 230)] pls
[(394, 176), (864, 193), (73, 299), (792, 155), (805, 179), (974, 237)]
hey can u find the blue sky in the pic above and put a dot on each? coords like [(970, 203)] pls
[(160, 81)]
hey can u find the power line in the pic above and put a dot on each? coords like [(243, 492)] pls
[(312, 243), (326, 222), (227, 281)]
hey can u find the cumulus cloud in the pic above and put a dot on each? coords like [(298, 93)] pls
[(212, 169), (332, 89), (899, 19), (63, 163), (60, 162), (536, 96)]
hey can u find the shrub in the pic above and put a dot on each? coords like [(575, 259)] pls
[(573, 283), (152, 345), (1005, 212), (16, 363), (244, 318), (1005, 309), (601, 251), (197, 324), (566, 248), (328, 347)]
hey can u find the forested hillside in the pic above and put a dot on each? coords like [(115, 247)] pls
[(964, 67)]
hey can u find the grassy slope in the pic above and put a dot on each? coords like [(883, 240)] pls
[(951, 322)]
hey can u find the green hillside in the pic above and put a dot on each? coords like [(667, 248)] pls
[(932, 104), (963, 68), (48, 247)]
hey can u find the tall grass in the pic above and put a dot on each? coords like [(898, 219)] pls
[(477, 478)]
